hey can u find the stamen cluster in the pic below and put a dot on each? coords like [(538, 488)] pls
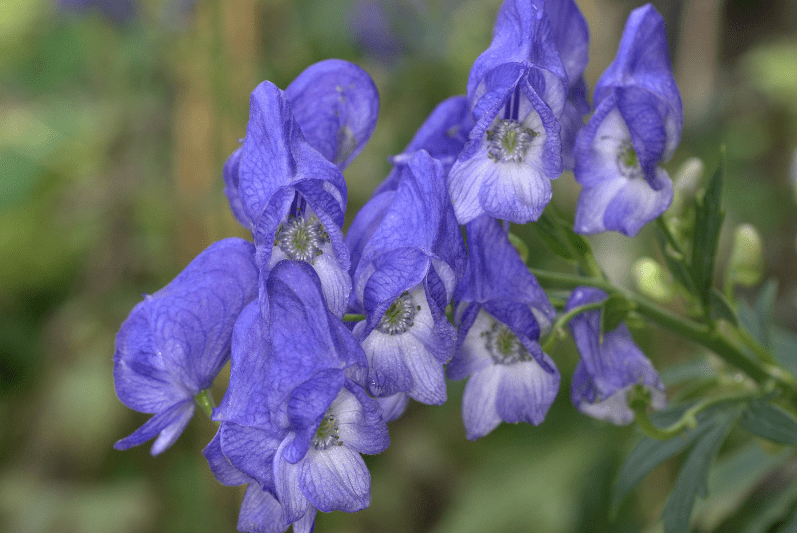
[(301, 238), (503, 346), (398, 317), (509, 141)]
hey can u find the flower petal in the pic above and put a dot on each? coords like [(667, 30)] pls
[(167, 424), (479, 412), (260, 512), (335, 479), (336, 105)]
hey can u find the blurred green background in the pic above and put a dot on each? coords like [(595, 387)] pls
[(112, 137)]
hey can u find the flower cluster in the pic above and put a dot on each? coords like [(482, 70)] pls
[(330, 336)]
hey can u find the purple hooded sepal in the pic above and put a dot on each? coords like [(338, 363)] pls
[(514, 149), (608, 369), (174, 343), (636, 126), (496, 275), (336, 105)]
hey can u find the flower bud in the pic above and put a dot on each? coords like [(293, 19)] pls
[(651, 280), (746, 266)]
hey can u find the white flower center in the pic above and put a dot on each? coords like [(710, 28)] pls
[(509, 141), (398, 317), (327, 434), (628, 162), (301, 238), (503, 346)]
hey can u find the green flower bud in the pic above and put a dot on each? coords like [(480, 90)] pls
[(746, 266), (652, 280)]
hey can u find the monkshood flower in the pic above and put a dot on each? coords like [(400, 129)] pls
[(409, 257), (174, 343), (285, 182), (500, 310), (517, 90), (570, 34), (609, 369), (292, 422), (636, 125)]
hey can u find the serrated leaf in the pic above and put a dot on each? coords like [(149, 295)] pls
[(722, 308), (650, 453), (708, 222), (615, 308), (770, 421), (693, 478)]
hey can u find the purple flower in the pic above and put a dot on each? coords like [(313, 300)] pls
[(608, 369), (285, 182), (500, 309), (409, 256), (293, 424), (517, 90), (636, 125), (174, 343)]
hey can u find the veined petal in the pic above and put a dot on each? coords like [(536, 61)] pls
[(260, 512), (393, 406), (336, 105), (335, 479), (223, 470), (250, 450), (479, 412), (361, 426), (230, 175), (167, 424), (289, 494), (244, 402), (411, 358), (526, 392)]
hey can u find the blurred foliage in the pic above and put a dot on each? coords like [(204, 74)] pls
[(112, 136)]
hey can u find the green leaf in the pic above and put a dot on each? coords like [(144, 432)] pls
[(615, 310), (675, 262), (693, 478), (785, 348), (770, 421), (550, 231), (698, 368), (708, 221), (765, 311), (650, 453), (722, 308)]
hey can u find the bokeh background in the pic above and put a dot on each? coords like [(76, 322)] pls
[(115, 119)]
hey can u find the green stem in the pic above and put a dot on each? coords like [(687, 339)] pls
[(205, 401), (709, 337), (687, 421), (761, 352), (553, 334), (352, 317)]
